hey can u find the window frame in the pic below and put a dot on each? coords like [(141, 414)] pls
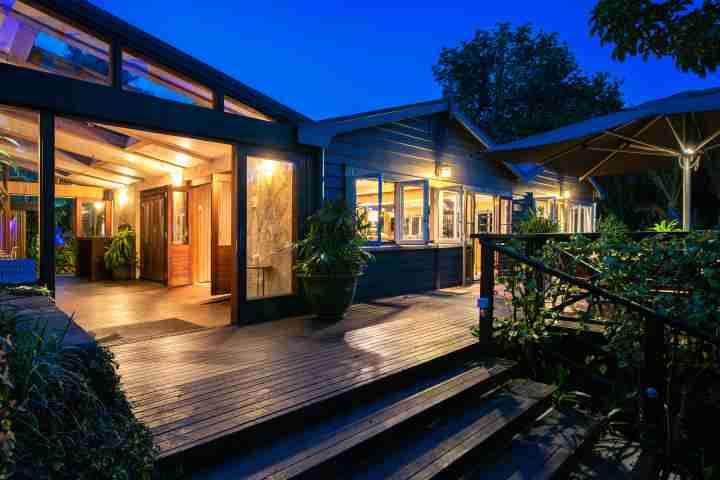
[(400, 212), (459, 215)]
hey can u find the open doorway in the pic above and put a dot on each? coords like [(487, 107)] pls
[(158, 187)]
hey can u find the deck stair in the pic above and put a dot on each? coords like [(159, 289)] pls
[(453, 422)]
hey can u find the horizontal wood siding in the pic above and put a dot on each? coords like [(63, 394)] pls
[(404, 271), (413, 147), (334, 181)]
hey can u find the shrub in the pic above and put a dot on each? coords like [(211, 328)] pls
[(121, 251), (333, 242), (64, 413), (537, 223)]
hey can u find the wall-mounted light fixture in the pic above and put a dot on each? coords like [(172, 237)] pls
[(99, 206), (177, 178), (444, 171), (122, 198)]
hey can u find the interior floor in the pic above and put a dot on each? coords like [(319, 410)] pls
[(103, 305)]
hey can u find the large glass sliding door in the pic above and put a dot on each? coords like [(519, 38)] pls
[(19, 195)]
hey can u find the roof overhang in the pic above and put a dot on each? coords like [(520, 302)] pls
[(321, 134)]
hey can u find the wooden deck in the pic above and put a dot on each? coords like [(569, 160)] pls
[(194, 388)]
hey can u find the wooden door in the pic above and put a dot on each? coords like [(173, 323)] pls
[(153, 235), (222, 248), (200, 229), (179, 245)]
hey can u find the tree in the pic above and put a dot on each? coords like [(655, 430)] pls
[(518, 82), (684, 30)]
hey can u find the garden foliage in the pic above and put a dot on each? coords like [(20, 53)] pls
[(63, 414)]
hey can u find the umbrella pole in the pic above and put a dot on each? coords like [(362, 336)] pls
[(687, 165)]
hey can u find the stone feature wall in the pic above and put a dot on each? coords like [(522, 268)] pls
[(270, 226)]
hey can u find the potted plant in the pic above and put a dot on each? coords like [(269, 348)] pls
[(120, 254), (331, 259)]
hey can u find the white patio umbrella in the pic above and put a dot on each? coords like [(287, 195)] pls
[(682, 128)]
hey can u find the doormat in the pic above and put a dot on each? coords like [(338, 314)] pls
[(136, 332)]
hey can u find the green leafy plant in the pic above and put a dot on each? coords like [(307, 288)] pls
[(666, 226), (121, 251), (537, 223), (678, 276), (64, 414), (333, 242), (611, 225)]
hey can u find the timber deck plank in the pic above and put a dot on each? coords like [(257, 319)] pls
[(198, 387)]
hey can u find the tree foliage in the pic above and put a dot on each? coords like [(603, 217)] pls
[(515, 82), (686, 31)]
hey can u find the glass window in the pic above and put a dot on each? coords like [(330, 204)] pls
[(270, 227), (19, 192), (449, 215), (484, 214), (142, 76), (32, 39), (577, 218), (375, 200), (412, 207), (179, 218), (92, 216), (238, 108), (506, 209)]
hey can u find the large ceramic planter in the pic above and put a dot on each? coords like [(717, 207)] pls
[(122, 273), (330, 295)]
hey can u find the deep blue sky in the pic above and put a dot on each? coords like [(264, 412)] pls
[(325, 59)]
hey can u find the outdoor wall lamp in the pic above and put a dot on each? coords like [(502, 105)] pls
[(444, 171)]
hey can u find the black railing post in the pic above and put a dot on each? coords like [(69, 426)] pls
[(653, 378), (486, 302)]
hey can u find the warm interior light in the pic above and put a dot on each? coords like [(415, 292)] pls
[(445, 172), (122, 198), (177, 179), (267, 167), (99, 206), (567, 195)]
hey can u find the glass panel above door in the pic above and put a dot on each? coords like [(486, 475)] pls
[(32, 39)]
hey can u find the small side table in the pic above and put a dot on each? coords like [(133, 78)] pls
[(260, 279)]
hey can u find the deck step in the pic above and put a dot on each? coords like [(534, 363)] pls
[(315, 444), (542, 451), (442, 446)]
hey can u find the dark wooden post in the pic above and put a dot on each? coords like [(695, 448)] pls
[(116, 74), (239, 227), (653, 380), (487, 293), (218, 100), (47, 200)]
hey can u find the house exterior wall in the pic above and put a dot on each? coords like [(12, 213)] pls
[(412, 149)]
